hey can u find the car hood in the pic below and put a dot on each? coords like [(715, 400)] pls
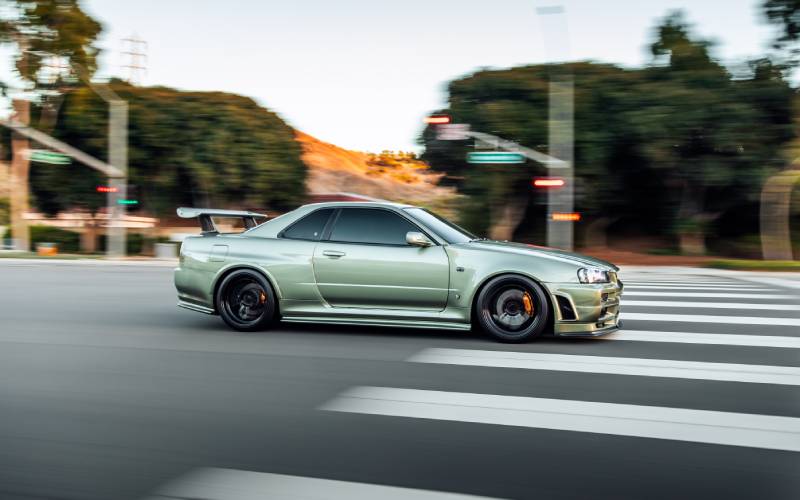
[(538, 251)]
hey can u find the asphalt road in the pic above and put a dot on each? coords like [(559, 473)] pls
[(109, 391)]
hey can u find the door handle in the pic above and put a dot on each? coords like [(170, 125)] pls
[(334, 254)]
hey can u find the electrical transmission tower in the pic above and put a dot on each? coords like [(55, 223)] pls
[(134, 54)]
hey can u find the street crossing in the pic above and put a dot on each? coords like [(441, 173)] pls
[(672, 310)]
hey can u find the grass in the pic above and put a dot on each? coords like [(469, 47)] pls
[(755, 265)]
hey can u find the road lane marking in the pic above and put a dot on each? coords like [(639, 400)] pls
[(712, 295), (702, 318), (643, 367), (710, 305), (232, 484), (710, 288), (704, 338), (700, 426), (687, 282)]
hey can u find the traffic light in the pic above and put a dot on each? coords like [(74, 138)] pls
[(565, 216), (437, 119), (548, 182), (132, 196)]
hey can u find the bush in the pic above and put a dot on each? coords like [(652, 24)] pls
[(67, 241), (5, 212), (134, 243)]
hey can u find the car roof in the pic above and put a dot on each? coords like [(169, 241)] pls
[(338, 204)]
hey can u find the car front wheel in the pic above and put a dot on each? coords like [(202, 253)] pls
[(245, 301), (512, 309)]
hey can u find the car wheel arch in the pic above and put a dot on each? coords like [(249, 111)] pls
[(244, 267), (490, 277)]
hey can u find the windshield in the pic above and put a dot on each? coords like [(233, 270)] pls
[(441, 226)]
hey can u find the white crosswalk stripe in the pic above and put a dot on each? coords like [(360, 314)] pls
[(738, 429), (704, 338), (704, 318), (691, 298), (232, 484), (711, 305), (712, 295), (761, 374), (694, 287)]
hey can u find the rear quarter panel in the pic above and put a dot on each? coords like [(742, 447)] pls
[(205, 260)]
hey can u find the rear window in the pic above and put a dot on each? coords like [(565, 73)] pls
[(309, 227)]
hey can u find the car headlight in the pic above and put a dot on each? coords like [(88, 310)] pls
[(593, 275)]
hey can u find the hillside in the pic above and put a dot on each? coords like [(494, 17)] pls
[(395, 177)]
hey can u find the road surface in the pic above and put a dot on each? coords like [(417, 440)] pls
[(109, 391)]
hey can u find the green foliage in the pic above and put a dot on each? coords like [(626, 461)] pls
[(670, 145), (135, 243), (785, 14), (66, 241), (5, 211), (185, 148), (46, 30)]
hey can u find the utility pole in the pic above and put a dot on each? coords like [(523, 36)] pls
[(560, 233), (117, 157), (18, 179), (561, 129)]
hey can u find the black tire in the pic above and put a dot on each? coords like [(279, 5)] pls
[(246, 301), (512, 308)]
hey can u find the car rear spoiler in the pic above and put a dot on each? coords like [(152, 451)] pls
[(206, 222)]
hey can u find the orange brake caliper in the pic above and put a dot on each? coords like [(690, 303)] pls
[(527, 302)]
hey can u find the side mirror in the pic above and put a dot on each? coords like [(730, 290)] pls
[(416, 239)]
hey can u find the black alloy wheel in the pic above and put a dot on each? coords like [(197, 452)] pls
[(512, 308), (245, 301)]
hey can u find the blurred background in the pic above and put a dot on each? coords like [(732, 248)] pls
[(642, 132)]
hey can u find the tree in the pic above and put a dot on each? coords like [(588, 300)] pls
[(54, 48), (666, 148), (185, 148)]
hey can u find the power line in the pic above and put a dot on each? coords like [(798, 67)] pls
[(134, 57)]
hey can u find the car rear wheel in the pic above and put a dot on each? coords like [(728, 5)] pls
[(245, 301), (512, 309)]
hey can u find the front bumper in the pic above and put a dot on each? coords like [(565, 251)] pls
[(585, 310)]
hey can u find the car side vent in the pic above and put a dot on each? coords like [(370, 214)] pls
[(567, 312)]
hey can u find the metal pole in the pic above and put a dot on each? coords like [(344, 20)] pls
[(561, 129), (560, 233), (118, 157), (18, 178)]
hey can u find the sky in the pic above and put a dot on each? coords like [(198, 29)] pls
[(362, 74)]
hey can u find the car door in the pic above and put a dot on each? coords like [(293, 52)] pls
[(366, 262)]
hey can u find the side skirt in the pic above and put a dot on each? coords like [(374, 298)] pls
[(439, 325), (195, 307)]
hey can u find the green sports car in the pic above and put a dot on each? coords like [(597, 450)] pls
[(388, 264)]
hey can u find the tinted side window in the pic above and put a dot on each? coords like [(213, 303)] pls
[(309, 227), (364, 225)]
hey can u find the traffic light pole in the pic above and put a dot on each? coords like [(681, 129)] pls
[(118, 157), (560, 233)]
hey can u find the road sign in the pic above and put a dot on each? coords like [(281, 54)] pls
[(453, 132), (47, 156), (495, 157)]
